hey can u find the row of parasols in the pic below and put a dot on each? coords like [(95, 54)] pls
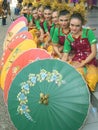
[(41, 93)]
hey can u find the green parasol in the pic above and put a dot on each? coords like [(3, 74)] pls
[(48, 95)]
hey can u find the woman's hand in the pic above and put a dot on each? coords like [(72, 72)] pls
[(78, 64)]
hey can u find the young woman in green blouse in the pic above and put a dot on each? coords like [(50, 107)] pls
[(81, 42), (61, 31)]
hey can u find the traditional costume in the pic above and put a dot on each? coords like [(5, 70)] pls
[(81, 48)]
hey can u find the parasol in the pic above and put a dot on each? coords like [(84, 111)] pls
[(16, 40), (28, 57), (23, 29), (22, 47), (22, 18), (13, 32), (23, 35), (48, 95)]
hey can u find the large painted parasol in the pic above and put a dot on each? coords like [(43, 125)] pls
[(48, 95)]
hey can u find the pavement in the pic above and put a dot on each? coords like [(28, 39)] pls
[(5, 122)]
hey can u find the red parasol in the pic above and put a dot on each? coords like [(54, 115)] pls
[(16, 29), (22, 18), (16, 40)]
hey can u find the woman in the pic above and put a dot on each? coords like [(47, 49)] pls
[(32, 25), (47, 23), (41, 17), (44, 25), (24, 11), (90, 3), (34, 16), (30, 17), (55, 18), (61, 32), (47, 16), (50, 21), (39, 24), (81, 42), (54, 21)]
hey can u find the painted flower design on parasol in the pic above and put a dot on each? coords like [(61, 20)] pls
[(53, 76)]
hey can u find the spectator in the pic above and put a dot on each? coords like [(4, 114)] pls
[(17, 9), (4, 16)]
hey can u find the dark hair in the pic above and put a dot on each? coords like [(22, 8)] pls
[(54, 10), (30, 5), (47, 7), (34, 8), (40, 5), (78, 16), (64, 12)]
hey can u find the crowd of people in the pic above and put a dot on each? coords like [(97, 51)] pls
[(55, 28)]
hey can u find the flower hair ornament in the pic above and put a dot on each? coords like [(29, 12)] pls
[(80, 8)]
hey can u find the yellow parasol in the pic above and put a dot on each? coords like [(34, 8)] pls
[(22, 47)]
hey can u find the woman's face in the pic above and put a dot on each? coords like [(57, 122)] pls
[(30, 10), (35, 14), (64, 21), (25, 9), (75, 25), (55, 17), (47, 14), (40, 11)]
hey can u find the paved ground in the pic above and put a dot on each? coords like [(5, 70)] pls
[(5, 123)]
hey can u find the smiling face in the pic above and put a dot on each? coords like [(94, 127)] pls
[(64, 21), (25, 10), (30, 10), (75, 25), (55, 17), (35, 13), (47, 14), (40, 11)]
